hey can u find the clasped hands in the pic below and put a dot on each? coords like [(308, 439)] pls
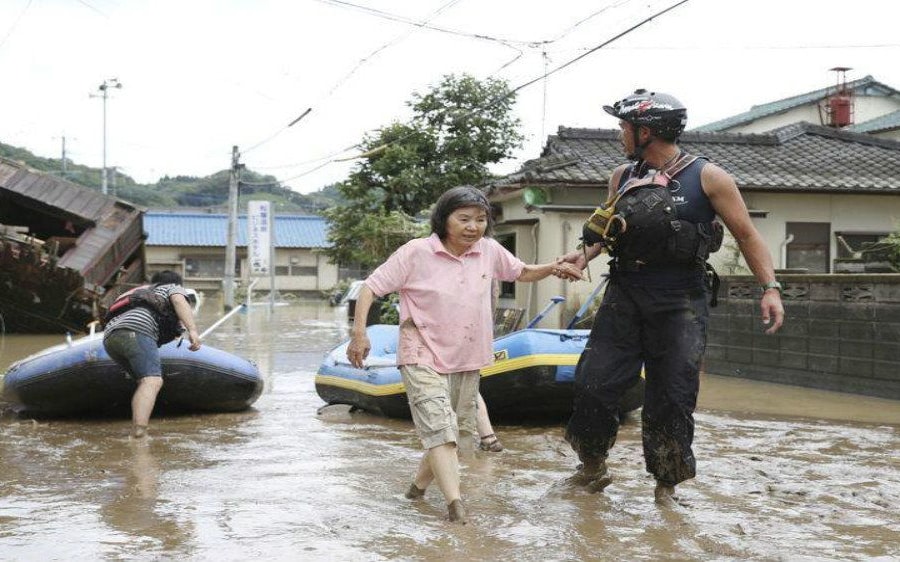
[(567, 271)]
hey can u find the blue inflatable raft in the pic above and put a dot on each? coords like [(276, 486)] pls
[(79, 378), (531, 378)]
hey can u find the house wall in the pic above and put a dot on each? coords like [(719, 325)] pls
[(305, 270), (556, 234), (870, 107), (807, 113), (864, 109), (308, 271), (845, 213)]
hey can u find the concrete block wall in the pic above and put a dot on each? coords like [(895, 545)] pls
[(841, 332)]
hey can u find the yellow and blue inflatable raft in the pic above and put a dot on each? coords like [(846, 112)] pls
[(531, 378)]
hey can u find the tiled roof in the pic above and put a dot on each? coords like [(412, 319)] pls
[(864, 86), (796, 158), (887, 122), (203, 229)]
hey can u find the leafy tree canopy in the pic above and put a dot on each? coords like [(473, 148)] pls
[(457, 129)]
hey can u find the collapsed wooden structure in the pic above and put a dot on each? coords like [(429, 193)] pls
[(64, 250)]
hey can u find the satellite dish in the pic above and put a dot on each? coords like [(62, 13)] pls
[(535, 196)]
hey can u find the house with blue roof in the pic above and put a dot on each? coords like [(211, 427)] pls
[(193, 244)]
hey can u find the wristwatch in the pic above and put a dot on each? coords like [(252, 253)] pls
[(772, 285)]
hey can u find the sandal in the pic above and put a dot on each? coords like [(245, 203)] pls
[(490, 443)]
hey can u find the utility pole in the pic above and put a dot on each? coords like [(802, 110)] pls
[(64, 156), (104, 87), (231, 237), (64, 162)]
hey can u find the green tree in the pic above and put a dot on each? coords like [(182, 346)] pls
[(887, 249), (458, 128)]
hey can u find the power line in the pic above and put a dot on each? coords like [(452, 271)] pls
[(583, 20), (83, 3), (15, 23), (347, 76), (279, 131), (750, 47), (499, 99), (423, 24), (402, 19), (390, 43), (590, 51)]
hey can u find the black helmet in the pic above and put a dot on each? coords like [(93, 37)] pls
[(661, 113)]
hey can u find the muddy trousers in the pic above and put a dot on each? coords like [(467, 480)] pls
[(664, 331)]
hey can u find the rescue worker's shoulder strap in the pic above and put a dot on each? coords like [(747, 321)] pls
[(612, 193), (681, 165)]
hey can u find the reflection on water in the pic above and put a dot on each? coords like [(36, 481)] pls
[(776, 478), (134, 509)]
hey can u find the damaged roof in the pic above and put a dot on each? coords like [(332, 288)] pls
[(55, 194), (108, 230), (801, 157)]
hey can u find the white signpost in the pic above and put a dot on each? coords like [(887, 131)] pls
[(259, 244)]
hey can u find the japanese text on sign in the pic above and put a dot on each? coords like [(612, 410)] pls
[(259, 224)]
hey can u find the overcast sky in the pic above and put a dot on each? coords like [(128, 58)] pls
[(200, 76)]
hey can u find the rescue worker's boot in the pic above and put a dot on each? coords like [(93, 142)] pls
[(664, 493), (591, 474)]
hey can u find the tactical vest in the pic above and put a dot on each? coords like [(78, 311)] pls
[(640, 224)]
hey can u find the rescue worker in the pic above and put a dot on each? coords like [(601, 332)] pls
[(655, 310)]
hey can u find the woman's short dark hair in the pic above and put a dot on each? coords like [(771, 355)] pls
[(457, 198), (166, 277)]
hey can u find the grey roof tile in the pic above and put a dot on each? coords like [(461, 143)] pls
[(797, 157)]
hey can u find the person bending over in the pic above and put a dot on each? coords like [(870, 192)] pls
[(132, 339)]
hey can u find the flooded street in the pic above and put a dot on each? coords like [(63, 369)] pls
[(783, 474)]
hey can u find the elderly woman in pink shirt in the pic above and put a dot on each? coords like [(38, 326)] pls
[(446, 326)]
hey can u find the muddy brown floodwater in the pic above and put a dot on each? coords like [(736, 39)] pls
[(783, 474)]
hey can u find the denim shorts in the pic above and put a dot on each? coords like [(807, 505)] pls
[(134, 352)]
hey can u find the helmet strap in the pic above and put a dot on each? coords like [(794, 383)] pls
[(638, 153)]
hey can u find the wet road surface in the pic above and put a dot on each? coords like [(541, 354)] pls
[(783, 474)]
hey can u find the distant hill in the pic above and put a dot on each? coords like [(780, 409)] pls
[(178, 192)]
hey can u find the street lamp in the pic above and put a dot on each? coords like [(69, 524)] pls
[(104, 87)]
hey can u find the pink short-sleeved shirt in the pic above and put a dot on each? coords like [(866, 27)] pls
[(448, 298)]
